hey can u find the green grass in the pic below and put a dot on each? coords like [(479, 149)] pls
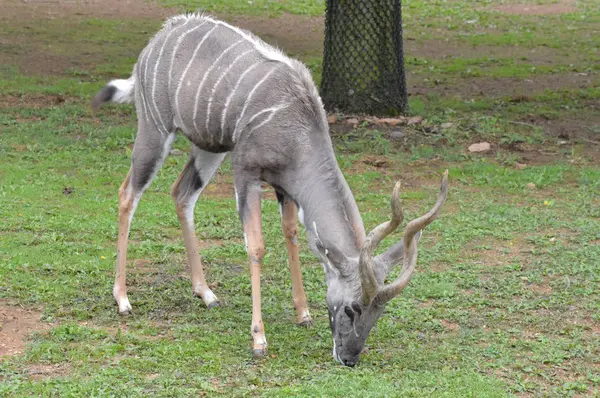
[(481, 269), (255, 7), (505, 298)]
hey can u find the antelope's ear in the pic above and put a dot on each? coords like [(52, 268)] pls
[(389, 259)]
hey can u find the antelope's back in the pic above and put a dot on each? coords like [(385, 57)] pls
[(219, 84)]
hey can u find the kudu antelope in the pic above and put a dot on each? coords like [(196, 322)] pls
[(229, 92)]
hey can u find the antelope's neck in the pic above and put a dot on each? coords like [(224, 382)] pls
[(328, 208)]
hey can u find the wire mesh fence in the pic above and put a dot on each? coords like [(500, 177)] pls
[(363, 61)]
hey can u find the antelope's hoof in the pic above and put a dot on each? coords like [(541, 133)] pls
[(258, 353), (124, 307), (306, 322), (208, 297)]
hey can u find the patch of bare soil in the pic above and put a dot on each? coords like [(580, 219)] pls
[(207, 243), (35, 61), (16, 324), (66, 9), (45, 371), (517, 90), (541, 289), (442, 49), (450, 325), (493, 253), (560, 7), (294, 34), (30, 101), (220, 187), (582, 130), (34, 55)]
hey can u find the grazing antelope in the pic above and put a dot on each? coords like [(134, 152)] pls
[(228, 91)]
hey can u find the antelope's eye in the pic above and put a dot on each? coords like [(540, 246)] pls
[(349, 312)]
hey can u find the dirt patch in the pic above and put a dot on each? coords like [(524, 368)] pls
[(294, 34), (542, 289), (492, 253), (436, 49), (43, 371), (560, 7), (572, 129), (31, 101), (36, 61), (16, 324), (450, 325), (516, 90), (33, 53), (220, 187), (11, 10), (437, 266), (208, 243)]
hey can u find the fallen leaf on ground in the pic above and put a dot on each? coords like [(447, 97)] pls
[(415, 120), (352, 122), (389, 121)]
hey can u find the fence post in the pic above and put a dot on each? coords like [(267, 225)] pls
[(363, 60)]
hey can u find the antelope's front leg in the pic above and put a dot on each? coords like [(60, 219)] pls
[(248, 197), (289, 225)]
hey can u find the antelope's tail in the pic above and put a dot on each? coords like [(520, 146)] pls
[(118, 91)]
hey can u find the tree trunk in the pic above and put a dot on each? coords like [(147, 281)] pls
[(363, 61)]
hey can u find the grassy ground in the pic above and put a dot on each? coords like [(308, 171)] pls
[(505, 301)]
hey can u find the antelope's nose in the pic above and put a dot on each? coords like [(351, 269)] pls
[(349, 363)]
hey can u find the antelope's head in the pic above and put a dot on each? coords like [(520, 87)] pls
[(357, 294)]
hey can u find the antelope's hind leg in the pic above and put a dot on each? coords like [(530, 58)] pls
[(289, 225), (195, 176), (249, 209), (150, 149)]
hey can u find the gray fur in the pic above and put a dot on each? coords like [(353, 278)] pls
[(228, 91)]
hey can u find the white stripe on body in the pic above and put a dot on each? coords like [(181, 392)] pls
[(177, 44), (140, 83), (144, 95), (274, 54), (212, 93), (181, 79), (228, 97), (236, 132), (158, 60), (268, 52), (197, 96), (272, 111), (237, 85)]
